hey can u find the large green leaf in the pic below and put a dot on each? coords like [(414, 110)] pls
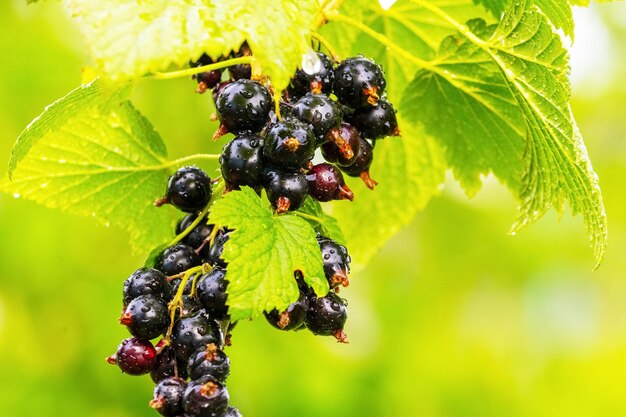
[(93, 158), (263, 253), (130, 38)]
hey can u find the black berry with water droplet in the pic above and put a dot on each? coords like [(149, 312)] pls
[(317, 82), (214, 257), (289, 144), (376, 122), (211, 292), (242, 106), (241, 161), (207, 79), (292, 317), (168, 397), (361, 165), (241, 71), (177, 259), (209, 361), (336, 261), (205, 397), (326, 183), (194, 332), (146, 281), (233, 412), (319, 111), (359, 82), (198, 235), (146, 317), (134, 356), (189, 190), (326, 316), (343, 153), (286, 191), (168, 365)]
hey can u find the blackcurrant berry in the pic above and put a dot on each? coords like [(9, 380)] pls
[(198, 236), (289, 144), (317, 82), (359, 82), (193, 332), (326, 183), (241, 161), (214, 257), (241, 71), (185, 222), (242, 106), (177, 259), (344, 147), (291, 318), (320, 112), (361, 165), (168, 365), (376, 122), (285, 190), (209, 361), (218, 90), (211, 292), (189, 190), (207, 79), (168, 397), (134, 356), (146, 281), (233, 412), (146, 317), (327, 315), (336, 262), (205, 397)]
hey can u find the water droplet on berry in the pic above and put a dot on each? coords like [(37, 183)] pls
[(311, 63)]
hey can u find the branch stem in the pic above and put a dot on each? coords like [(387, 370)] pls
[(197, 70)]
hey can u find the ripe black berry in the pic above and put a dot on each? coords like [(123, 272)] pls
[(211, 292), (233, 412), (168, 397), (241, 161), (241, 71), (289, 144), (285, 190), (168, 365), (242, 106), (193, 332), (376, 122), (146, 281), (177, 259), (291, 318), (197, 237), (205, 397), (326, 183), (146, 317), (134, 356), (345, 146), (359, 82), (336, 262), (185, 222), (218, 90), (320, 112), (327, 315), (318, 82), (361, 165), (207, 79), (209, 361), (214, 257), (189, 190)]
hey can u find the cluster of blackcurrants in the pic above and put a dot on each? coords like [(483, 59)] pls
[(182, 299), (275, 151)]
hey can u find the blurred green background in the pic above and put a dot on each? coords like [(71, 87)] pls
[(454, 318)]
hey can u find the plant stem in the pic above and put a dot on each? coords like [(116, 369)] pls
[(324, 42), (177, 301), (192, 71)]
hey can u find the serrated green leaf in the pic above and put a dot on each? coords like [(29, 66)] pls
[(263, 254), (100, 160), (128, 39), (559, 13), (496, 7), (325, 224)]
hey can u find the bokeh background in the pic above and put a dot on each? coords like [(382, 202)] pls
[(453, 318)]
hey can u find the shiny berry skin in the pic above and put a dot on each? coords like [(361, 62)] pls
[(209, 361), (194, 332), (242, 106), (208, 79), (343, 154), (168, 365), (319, 82), (233, 412), (336, 262), (146, 317), (168, 397), (185, 222), (134, 356), (189, 190), (292, 317), (319, 111), (361, 165), (326, 316), (241, 71), (146, 281), (218, 89), (359, 82), (289, 144), (326, 183), (205, 397), (177, 259), (376, 122), (214, 257), (211, 292), (241, 161), (196, 238), (286, 191)]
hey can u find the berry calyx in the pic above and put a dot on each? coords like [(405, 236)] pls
[(285, 190), (146, 317), (177, 259), (326, 183), (361, 165), (317, 82), (145, 281), (134, 356), (211, 292), (189, 190), (193, 332), (210, 361), (359, 82), (376, 122), (241, 161), (343, 146), (205, 397), (168, 397), (292, 317), (327, 315), (336, 262), (242, 106), (289, 144)]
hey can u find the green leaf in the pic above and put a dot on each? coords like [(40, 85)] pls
[(508, 90), (263, 253), (324, 223), (496, 7), (98, 159), (129, 39), (559, 13)]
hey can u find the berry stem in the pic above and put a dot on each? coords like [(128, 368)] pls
[(197, 70), (324, 42)]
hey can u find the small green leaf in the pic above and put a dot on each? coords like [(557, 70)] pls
[(98, 159), (263, 253), (325, 224)]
